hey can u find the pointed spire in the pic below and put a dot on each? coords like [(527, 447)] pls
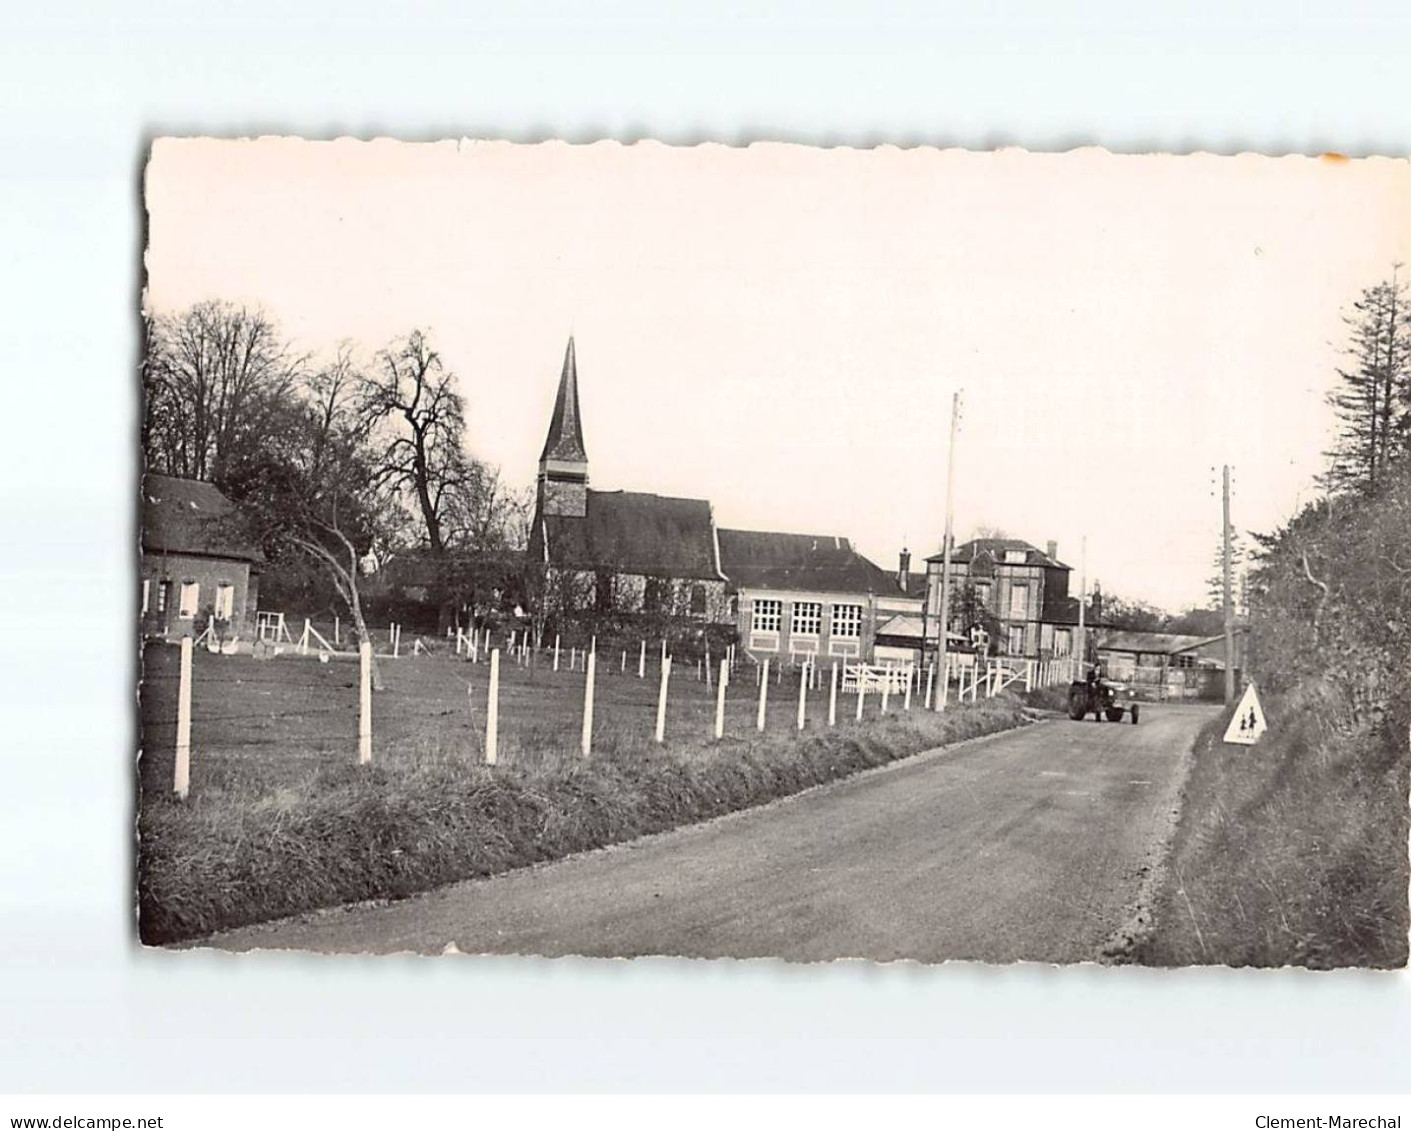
[(565, 439)]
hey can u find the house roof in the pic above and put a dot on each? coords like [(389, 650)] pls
[(187, 516), (996, 549), (815, 563), (565, 438), (634, 532), (1168, 643), (904, 625)]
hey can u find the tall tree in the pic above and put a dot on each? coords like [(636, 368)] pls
[(411, 410), (215, 378), (315, 494), (1373, 399)]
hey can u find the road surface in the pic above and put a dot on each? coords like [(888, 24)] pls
[(1029, 845)]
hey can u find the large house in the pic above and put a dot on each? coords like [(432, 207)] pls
[(789, 595), (198, 563), (1024, 588)]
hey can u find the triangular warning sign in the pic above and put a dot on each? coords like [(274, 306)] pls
[(1248, 724)]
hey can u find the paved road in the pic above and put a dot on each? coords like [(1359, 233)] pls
[(1031, 845)]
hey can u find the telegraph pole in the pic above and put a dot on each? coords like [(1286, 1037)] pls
[(1082, 603), (941, 651), (1229, 593)]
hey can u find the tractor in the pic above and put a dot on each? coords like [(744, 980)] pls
[(1101, 699)]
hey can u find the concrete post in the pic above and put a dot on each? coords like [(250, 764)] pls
[(492, 712), (365, 703), (181, 781), (661, 700)]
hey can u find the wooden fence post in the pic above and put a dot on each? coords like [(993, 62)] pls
[(803, 692), (181, 780), (833, 695), (661, 700), (906, 702), (861, 691), (592, 668), (556, 651), (763, 695), (365, 702), (720, 701), (642, 661), (492, 712)]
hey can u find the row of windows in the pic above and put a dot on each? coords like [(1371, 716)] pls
[(766, 615), (188, 598)]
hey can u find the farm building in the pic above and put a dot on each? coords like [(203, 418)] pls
[(1023, 587), (198, 564), (635, 553), (1169, 665)]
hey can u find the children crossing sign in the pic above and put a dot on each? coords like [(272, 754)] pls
[(1248, 724)]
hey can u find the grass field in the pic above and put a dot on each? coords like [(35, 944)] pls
[(275, 722), (280, 818)]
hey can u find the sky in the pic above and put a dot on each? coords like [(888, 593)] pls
[(780, 329)]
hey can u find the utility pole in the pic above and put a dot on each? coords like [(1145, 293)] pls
[(1082, 640), (945, 549), (1229, 592)]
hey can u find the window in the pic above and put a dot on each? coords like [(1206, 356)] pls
[(982, 591), (807, 617), (146, 592), (163, 596), (225, 600), (698, 600), (1019, 602), (1016, 640), (1182, 660), (765, 616), (847, 621), (190, 599), (1063, 642), (1015, 557)]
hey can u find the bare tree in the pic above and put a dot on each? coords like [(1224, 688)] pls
[(409, 407), (214, 377)]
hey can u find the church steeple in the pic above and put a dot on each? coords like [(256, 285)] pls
[(563, 465)]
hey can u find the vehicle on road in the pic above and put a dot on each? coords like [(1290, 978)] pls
[(1102, 699)]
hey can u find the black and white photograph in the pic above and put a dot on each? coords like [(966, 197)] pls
[(774, 552)]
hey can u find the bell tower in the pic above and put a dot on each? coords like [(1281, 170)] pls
[(563, 465)]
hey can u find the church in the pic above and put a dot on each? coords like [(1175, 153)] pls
[(789, 596)]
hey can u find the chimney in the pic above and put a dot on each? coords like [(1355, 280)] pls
[(1053, 549), (904, 570)]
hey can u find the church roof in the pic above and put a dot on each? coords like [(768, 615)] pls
[(565, 439), (814, 563), (634, 532)]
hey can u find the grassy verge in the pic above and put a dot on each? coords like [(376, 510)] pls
[(427, 815), (1292, 852)]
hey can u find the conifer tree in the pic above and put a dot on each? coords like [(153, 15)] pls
[(1373, 398)]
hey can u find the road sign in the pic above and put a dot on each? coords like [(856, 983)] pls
[(1248, 724)]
